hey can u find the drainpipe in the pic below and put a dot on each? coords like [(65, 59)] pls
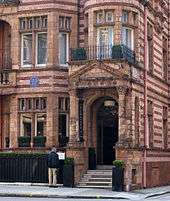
[(146, 137), (1, 107)]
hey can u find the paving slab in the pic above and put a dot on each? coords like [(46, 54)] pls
[(42, 190)]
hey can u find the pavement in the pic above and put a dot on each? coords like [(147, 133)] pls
[(43, 191)]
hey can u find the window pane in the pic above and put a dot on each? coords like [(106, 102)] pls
[(27, 49), (127, 37), (125, 16), (63, 48), (41, 124), (109, 17), (26, 125), (42, 48)]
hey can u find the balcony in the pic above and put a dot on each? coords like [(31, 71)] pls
[(109, 52)]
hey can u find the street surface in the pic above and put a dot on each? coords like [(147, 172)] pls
[(159, 198)]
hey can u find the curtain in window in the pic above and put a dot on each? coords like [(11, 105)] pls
[(42, 48), (63, 48), (27, 49), (127, 37)]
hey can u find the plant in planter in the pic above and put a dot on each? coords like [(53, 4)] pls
[(92, 158), (24, 141), (39, 141), (68, 172), (118, 175)]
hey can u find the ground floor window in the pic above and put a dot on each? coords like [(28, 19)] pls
[(63, 120)]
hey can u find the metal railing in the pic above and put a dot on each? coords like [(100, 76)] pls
[(9, 2), (102, 53)]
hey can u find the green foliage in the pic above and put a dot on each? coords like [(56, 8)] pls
[(69, 161), (118, 163), (39, 139), (24, 139), (21, 154)]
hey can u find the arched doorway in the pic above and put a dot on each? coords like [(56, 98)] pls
[(106, 129)]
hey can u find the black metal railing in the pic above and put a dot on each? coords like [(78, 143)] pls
[(102, 53), (26, 168)]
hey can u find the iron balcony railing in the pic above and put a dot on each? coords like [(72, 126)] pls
[(102, 53)]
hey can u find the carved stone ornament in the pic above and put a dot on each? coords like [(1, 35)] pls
[(159, 20)]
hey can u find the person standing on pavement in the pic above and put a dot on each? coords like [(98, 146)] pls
[(53, 165)]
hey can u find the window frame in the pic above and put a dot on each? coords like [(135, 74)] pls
[(67, 49), (36, 50), (132, 37), (22, 50)]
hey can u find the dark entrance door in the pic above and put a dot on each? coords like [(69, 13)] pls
[(107, 135)]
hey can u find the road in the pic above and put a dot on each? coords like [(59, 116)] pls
[(159, 198)]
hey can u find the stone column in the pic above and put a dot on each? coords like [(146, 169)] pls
[(14, 123), (124, 118), (73, 134)]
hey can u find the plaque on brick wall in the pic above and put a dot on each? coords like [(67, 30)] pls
[(34, 81), (81, 120)]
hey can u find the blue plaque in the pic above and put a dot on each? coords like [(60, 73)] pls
[(34, 81)]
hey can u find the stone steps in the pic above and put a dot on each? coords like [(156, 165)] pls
[(99, 178)]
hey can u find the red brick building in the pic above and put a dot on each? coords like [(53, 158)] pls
[(93, 72)]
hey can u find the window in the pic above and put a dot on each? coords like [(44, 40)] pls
[(32, 116), (127, 37), (63, 48), (26, 125), (100, 17), (150, 123), (104, 17), (41, 48), (109, 16), (64, 23), (63, 121), (125, 16), (165, 58), (27, 50), (150, 47), (104, 42), (40, 124), (34, 25)]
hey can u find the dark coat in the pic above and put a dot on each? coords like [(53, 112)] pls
[(52, 160)]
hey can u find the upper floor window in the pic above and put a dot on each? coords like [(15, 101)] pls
[(41, 43), (165, 58), (150, 46), (26, 50), (32, 28), (30, 23), (125, 16), (104, 17), (63, 48), (109, 16), (128, 37), (64, 23)]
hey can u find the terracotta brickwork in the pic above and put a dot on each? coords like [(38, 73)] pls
[(94, 81)]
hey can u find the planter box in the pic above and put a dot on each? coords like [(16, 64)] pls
[(24, 141), (39, 141), (117, 178), (68, 175)]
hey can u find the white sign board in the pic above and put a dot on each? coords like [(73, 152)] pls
[(61, 155)]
